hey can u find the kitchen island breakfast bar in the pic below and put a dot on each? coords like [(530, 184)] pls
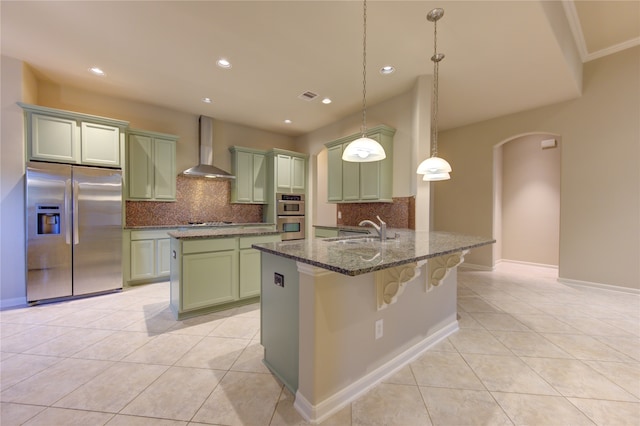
[(338, 315)]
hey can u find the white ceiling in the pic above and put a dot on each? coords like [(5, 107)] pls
[(501, 56)]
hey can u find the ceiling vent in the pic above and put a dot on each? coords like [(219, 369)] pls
[(308, 96)]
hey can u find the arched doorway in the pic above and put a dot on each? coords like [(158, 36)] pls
[(526, 201)]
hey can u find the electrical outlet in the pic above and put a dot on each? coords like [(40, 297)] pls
[(278, 279), (339, 214), (379, 329)]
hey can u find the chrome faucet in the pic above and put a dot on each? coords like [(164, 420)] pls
[(382, 229)]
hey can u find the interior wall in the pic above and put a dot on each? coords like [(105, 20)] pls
[(18, 85), (165, 120), (599, 226), (397, 112), (530, 201)]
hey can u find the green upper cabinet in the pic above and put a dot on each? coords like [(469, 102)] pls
[(74, 138), (151, 166), (349, 182), (289, 171), (250, 169)]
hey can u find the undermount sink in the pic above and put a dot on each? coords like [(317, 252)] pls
[(353, 241)]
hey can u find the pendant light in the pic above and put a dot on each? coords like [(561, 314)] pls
[(364, 149), (435, 168)]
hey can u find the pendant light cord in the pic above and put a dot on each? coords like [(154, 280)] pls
[(436, 61), (364, 70)]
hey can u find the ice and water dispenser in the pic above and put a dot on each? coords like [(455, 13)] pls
[(48, 219)]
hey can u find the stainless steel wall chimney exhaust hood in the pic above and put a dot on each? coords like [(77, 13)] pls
[(206, 167)]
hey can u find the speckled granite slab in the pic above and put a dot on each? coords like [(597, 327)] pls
[(348, 256), (221, 232), (196, 226)]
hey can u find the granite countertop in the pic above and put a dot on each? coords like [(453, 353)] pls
[(368, 256), (196, 226), (363, 229), (200, 232)]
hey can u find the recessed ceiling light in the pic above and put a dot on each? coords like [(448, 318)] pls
[(97, 71), (387, 69), (287, 121), (207, 100), (326, 101), (224, 63)]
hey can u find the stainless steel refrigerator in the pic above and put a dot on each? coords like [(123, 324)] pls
[(74, 230)]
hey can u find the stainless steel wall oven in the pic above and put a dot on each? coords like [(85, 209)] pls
[(291, 216)]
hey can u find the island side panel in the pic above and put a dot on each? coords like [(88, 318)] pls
[(339, 354), (279, 327)]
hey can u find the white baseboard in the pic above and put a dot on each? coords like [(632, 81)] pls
[(521, 262), (475, 267), (17, 302), (318, 413), (599, 286)]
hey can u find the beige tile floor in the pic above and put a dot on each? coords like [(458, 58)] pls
[(530, 351)]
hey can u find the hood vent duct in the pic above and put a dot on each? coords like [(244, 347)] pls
[(206, 167)]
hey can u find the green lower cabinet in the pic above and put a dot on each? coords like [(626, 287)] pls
[(249, 273), (212, 279), (147, 255), (209, 275)]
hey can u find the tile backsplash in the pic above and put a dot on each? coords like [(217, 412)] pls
[(398, 214), (197, 200)]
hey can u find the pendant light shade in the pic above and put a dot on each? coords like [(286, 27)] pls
[(364, 149), (433, 165), (435, 168)]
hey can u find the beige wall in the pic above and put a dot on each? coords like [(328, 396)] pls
[(20, 85), (165, 120), (410, 140), (600, 177), (530, 201)]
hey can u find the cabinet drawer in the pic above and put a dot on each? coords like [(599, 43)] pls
[(206, 245), (245, 242), (150, 235)]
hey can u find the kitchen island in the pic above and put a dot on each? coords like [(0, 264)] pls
[(215, 268), (338, 315)]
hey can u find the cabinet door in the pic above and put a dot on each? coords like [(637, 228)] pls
[(334, 173), (164, 169), (283, 177), (350, 181), (140, 166), (297, 174), (259, 178), (163, 257), (54, 139), (209, 279), (249, 273), (244, 177), (370, 180), (142, 259), (100, 145)]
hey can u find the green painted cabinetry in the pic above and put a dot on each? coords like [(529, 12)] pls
[(350, 182), (250, 169), (286, 173), (212, 274), (146, 255), (289, 171), (151, 166), (209, 277), (73, 138)]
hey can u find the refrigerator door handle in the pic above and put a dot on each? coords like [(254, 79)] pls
[(76, 213), (67, 210)]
